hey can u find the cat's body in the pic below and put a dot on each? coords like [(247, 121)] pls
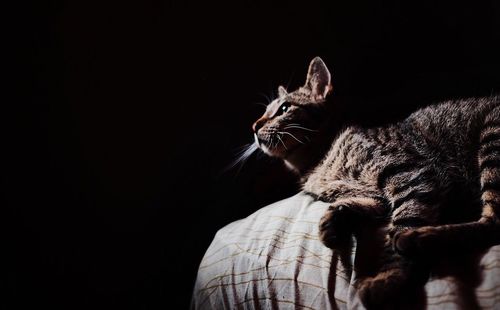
[(426, 157), (406, 175)]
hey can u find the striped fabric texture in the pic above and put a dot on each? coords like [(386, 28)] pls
[(273, 259)]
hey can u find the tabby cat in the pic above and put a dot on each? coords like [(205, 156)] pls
[(407, 175)]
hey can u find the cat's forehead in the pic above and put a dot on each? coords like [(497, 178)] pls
[(300, 96)]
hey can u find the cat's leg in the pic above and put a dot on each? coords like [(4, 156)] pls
[(481, 234), (478, 235), (397, 275), (398, 283), (344, 217)]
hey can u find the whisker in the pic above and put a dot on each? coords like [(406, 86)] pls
[(287, 133), (282, 142), (300, 127), (261, 104), (275, 144), (269, 99), (242, 156)]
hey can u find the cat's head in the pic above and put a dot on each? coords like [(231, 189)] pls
[(292, 120)]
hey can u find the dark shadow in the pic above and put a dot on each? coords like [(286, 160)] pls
[(458, 257), (369, 248), (463, 267)]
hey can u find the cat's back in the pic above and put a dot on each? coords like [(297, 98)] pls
[(452, 118), (450, 130), (443, 135)]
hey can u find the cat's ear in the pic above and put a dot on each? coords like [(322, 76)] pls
[(318, 79), (282, 91)]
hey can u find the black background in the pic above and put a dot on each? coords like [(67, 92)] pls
[(125, 114)]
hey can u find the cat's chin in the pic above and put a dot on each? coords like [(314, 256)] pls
[(287, 156), (274, 152)]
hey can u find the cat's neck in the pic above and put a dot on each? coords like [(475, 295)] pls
[(307, 157)]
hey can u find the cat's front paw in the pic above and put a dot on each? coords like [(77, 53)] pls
[(335, 227), (415, 241)]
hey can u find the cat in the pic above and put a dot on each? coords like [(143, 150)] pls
[(406, 175)]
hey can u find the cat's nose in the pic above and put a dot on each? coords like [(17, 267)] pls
[(258, 124), (256, 127)]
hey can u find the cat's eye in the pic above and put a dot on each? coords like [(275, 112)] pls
[(284, 108)]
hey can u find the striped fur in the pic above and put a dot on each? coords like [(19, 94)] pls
[(406, 176)]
